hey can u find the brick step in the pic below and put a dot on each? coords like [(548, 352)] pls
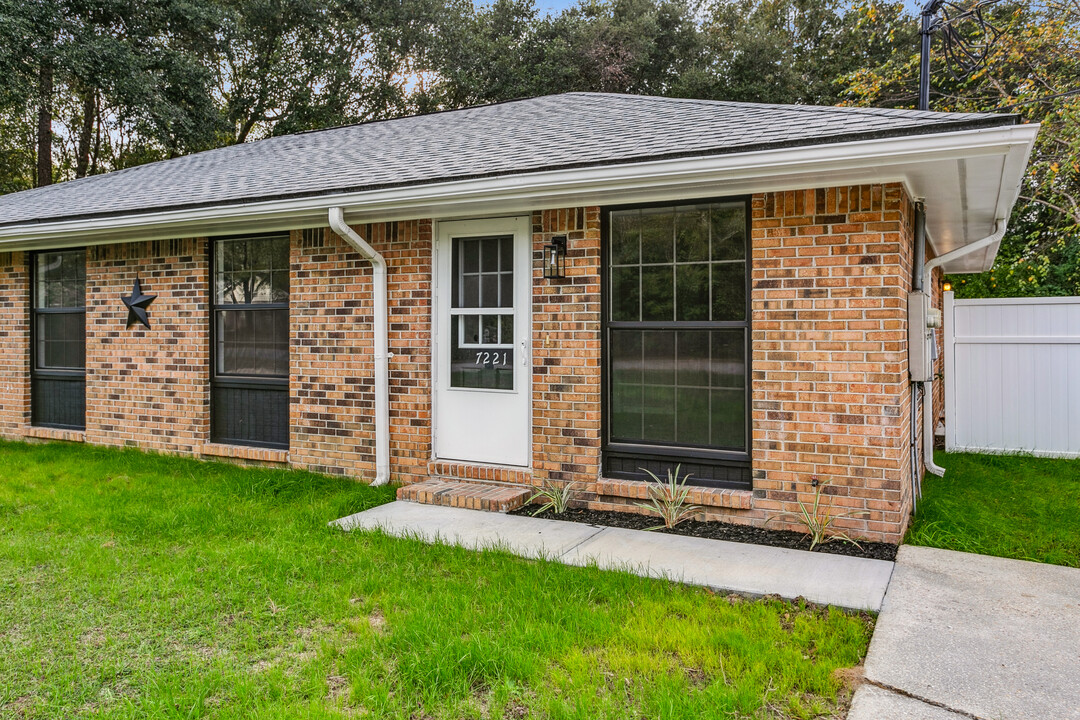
[(469, 495)]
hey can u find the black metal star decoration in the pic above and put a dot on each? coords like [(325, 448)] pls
[(137, 303)]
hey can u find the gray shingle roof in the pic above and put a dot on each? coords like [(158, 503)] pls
[(544, 133)]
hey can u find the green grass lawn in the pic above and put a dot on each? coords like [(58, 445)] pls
[(1009, 506), (143, 586)]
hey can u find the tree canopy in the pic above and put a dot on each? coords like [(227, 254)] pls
[(88, 87)]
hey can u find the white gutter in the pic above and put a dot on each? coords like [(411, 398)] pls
[(382, 370), (824, 165), (928, 386)]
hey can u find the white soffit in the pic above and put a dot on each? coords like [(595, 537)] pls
[(969, 179)]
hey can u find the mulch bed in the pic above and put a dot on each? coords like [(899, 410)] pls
[(718, 531)]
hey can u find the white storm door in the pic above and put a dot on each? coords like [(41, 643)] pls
[(483, 367)]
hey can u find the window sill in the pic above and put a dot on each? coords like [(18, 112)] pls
[(704, 496), (48, 433), (242, 452)]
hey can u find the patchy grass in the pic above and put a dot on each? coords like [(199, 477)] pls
[(142, 586), (1004, 505)]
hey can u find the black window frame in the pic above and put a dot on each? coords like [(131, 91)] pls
[(628, 461), (41, 375), (236, 381)]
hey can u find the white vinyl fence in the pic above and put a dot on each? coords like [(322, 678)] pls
[(1012, 375)]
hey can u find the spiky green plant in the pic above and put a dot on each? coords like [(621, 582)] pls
[(668, 499), (555, 497), (817, 520)]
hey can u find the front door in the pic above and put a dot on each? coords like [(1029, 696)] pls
[(483, 289)]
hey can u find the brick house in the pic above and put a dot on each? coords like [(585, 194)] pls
[(574, 287)]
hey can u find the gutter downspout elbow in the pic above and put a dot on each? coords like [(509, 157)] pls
[(928, 387), (382, 355)]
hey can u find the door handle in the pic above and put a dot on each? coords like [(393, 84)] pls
[(525, 354)]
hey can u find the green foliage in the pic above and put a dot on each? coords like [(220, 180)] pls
[(817, 519), (1033, 70), (668, 499), (554, 497), (1012, 506), (145, 586)]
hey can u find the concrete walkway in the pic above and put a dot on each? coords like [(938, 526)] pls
[(855, 583), (964, 636)]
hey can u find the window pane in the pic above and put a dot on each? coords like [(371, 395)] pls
[(506, 254), (659, 413), (657, 293), (692, 417), (692, 358), (626, 411), (729, 232), (472, 329), (728, 419), (506, 290), (470, 252), (728, 359), (489, 329), (657, 235), (469, 296), (692, 287), (489, 255), (659, 357), (252, 270), (489, 290), (626, 388), (692, 235), (61, 279), (625, 237), (728, 291), (626, 363), (61, 341), (625, 297), (253, 342), (506, 329), (483, 364)]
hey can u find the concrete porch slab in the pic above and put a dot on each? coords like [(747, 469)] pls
[(854, 583), (985, 637)]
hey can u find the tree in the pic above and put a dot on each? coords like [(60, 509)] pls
[(1033, 69)]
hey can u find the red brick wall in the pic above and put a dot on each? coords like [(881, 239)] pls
[(332, 384), (149, 388), (566, 351), (832, 269), (14, 344)]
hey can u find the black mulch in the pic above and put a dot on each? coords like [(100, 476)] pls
[(718, 531)]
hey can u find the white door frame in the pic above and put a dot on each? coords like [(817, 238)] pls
[(521, 228)]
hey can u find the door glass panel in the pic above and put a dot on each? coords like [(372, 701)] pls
[(482, 319)]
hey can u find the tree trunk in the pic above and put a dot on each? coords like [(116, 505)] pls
[(86, 133), (44, 129)]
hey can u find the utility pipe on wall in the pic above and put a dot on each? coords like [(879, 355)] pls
[(928, 387), (382, 370)]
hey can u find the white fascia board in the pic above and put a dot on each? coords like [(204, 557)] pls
[(741, 173)]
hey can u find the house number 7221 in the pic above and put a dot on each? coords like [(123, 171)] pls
[(492, 358)]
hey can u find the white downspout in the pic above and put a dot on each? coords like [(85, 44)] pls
[(382, 371), (928, 386)]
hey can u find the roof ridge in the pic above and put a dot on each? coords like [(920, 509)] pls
[(799, 107)]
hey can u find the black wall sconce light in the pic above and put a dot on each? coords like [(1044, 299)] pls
[(555, 258)]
